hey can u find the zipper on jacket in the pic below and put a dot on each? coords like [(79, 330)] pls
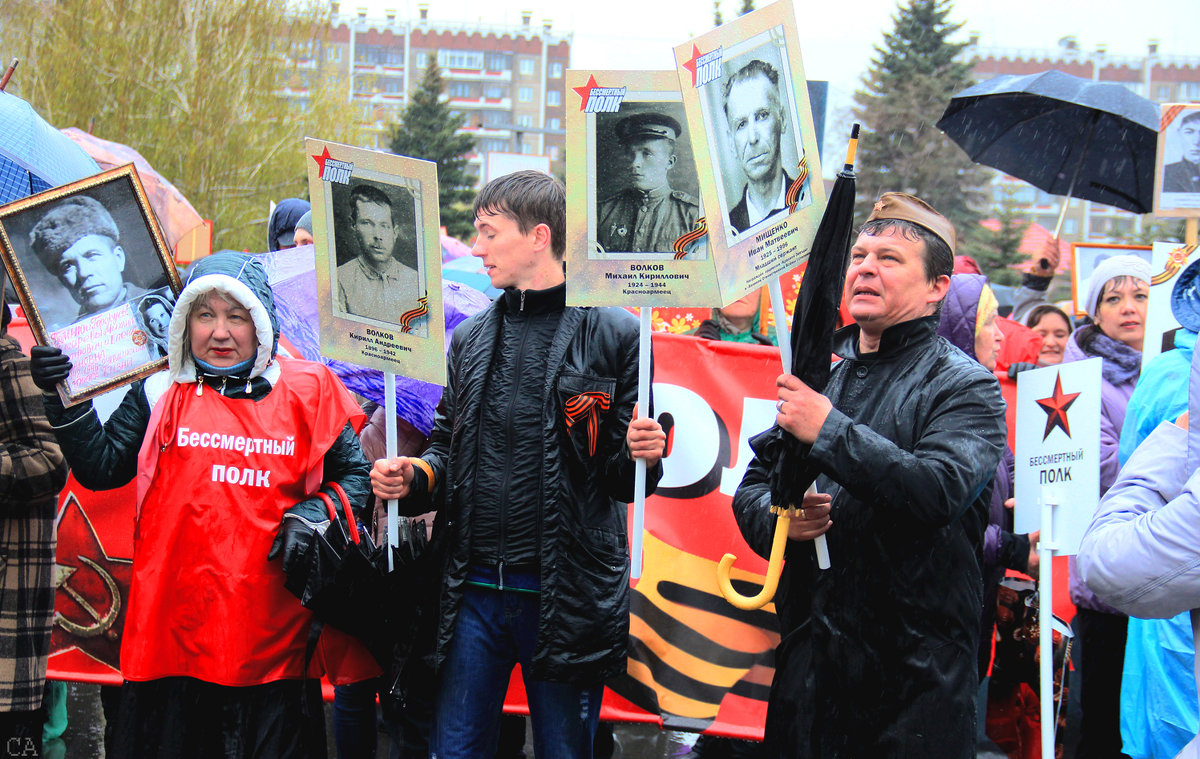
[(522, 308), (518, 367), (500, 574)]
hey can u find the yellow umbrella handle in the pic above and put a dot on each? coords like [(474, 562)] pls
[(774, 569)]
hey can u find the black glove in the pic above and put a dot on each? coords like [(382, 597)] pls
[(709, 330), (296, 534), (1017, 367), (49, 366)]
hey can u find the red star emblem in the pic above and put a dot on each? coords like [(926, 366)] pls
[(1056, 408), (585, 91), (320, 159), (91, 590), (690, 65)]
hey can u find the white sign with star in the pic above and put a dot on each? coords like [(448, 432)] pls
[(1058, 450)]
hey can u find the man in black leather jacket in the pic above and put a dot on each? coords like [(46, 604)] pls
[(877, 656), (531, 461)]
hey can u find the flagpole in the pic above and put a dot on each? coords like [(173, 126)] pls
[(783, 336), (1045, 623), (389, 436), (639, 472)]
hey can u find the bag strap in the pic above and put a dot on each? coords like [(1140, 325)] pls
[(351, 522)]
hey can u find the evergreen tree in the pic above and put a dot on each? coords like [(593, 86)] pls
[(428, 129), (717, 20), (912, 77), (997, 251), (747, 6)]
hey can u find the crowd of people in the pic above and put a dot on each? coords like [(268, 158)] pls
[(523, 484)]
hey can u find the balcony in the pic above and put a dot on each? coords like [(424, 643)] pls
[(476, 75), (502, 104)]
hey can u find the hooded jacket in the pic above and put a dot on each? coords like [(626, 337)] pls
[(1001, 548), (586, 478), (105, 457), (878, 653)]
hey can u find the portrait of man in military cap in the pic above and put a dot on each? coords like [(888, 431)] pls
[(649, 210)]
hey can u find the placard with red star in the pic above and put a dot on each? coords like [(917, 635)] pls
[(1058, 449), (729, 78)]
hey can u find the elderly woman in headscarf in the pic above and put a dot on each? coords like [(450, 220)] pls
[(229, 447), (1117, 295)]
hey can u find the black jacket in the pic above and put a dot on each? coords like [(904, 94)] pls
[(584, 616), (877, 656)]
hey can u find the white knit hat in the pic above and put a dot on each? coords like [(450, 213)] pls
[(1111, 268)]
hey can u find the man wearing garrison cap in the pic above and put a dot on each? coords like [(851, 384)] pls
[(877, 655), (647, 216), (79, 243)]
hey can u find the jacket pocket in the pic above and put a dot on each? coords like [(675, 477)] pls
[(592, 582), (585, 405)]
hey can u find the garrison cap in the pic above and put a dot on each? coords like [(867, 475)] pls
[(642, 126), (898, 205)]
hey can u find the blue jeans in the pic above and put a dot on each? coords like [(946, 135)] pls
[(355, 731), (494, 630)]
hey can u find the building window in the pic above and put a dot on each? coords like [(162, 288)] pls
[(527, 66), (460, 90), (460, 59), (1162, 92), (556, 70), (497, 62), (493, 146), (525, 121), (553, 97), (493, 92), (393, 85), (335, 54), (495, 118), (1189, 91), (553, 152), (554, 123), (1070, 226), (525, 94), (527, 148)]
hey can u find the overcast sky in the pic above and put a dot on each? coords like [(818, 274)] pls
[(837, 44)]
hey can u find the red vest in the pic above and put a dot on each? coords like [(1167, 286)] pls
[(215, 476)]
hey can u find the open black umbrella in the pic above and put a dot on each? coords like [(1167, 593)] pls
[(1068, 136), (813, 325)]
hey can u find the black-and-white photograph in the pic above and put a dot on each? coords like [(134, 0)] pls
[(154, 316), (647, 190), (1181, 165), (375, 247), (82, 258), (756, 136)]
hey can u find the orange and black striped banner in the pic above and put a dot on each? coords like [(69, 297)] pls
[(797, 186), (699, 232), (408, 317)]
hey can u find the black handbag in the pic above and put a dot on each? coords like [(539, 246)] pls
[(344, 578)]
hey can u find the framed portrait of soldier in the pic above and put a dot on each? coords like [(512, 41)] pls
[(1177, 167), (635, 220), (754, 142), (93, 272), (378, 259)]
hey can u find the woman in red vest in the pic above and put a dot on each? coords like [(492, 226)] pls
[(229, 447)]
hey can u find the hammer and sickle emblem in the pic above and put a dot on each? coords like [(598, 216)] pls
[(101, 622)]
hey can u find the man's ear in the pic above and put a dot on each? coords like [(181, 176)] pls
[(938, 289), (671, 161), (119, 252), (541, 237)]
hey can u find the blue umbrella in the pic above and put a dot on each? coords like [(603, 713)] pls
[(35, 156)]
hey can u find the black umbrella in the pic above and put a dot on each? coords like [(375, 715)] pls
[(813, 326), (1068, 136)]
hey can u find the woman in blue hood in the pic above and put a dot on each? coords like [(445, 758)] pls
[(229, 446)]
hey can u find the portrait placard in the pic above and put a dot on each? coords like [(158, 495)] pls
[(379, 276), (93, 272), (754, 144), (1085, 257), (1168, 260), (1058, 450), (635, 224), (1177, 165)]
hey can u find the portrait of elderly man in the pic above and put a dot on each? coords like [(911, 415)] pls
[(375, 284), (79, 243), (877, 655), (1184, 174), (756, 120), (648, 216)]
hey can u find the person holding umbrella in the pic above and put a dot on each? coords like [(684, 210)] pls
[(878, 653)]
